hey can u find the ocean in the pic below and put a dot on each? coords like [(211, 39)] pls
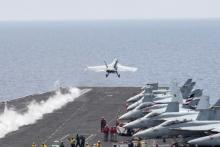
[(36, 56)]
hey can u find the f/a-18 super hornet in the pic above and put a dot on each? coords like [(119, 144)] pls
[(112, 68), (173, 112), (206, 121)]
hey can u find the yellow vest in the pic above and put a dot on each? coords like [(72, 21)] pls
[(34, 145), (98, 145)]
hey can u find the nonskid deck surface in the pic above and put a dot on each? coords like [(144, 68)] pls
[(81, 116)]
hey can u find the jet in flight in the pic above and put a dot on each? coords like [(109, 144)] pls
[(112, 68)]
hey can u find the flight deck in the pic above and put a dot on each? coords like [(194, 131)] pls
[(81, 116)]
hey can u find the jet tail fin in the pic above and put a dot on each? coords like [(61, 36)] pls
[(188, 81), (203, 103), (187, 89), (204, 112), (196, 93), (217, 104), (106, 64), (153, 85), (177, 95), (172, 107), (148, 97)]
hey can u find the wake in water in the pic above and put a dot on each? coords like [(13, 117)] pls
[(10, 120)]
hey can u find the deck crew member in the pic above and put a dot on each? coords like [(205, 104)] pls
[(34, 145), (106, 132), (99, 144), (77, 140), (103, 123)]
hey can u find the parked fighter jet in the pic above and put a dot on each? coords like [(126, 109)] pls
[(155, 118), (211, 140), (171, 129), (153, 104), (113, 67), (184, 127), (164, 98), (149, 87), (142, 110)]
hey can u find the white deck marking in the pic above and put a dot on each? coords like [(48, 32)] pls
[(92, 135), (64, 137)]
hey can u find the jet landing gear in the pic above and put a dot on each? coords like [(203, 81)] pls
[(106, 75), (118, 74)]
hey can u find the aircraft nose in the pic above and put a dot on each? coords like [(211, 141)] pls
[(126, 116), (123, 117), (130, 107), (135, 124), (195, 141), (131, 125), (133, 99), (139, 134), (146, 134), (207, 140)]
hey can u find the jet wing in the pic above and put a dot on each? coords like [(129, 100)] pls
[(101, 68), (126, 68)]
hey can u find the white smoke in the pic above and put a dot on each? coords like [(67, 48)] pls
[(10, 120)]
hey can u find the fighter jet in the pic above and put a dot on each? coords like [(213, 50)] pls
[(141, 95), (157, 105), (149, 87), (164, 98), (141, 110), (154, 118), (211, 140), (184, 127), (112, 68), (171, 129)]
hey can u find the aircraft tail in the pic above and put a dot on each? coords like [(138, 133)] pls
[(204, 112), (148, 97), (172, 107), (203, 103), (217, 104), (106, 64), (196, 93), (188, 81), (147, 89), (177, 95), (153, 85), (187, 89)]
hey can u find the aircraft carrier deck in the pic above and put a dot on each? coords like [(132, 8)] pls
[(81, 116)]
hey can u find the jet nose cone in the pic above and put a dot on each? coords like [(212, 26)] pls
[(126, 116), (207, 140), (130, 125), (195, 141), (135, 98), (123, 117), (139, 134), (145, 134), (130, 107)]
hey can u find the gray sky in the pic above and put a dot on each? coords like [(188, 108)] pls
[(107, 9)]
